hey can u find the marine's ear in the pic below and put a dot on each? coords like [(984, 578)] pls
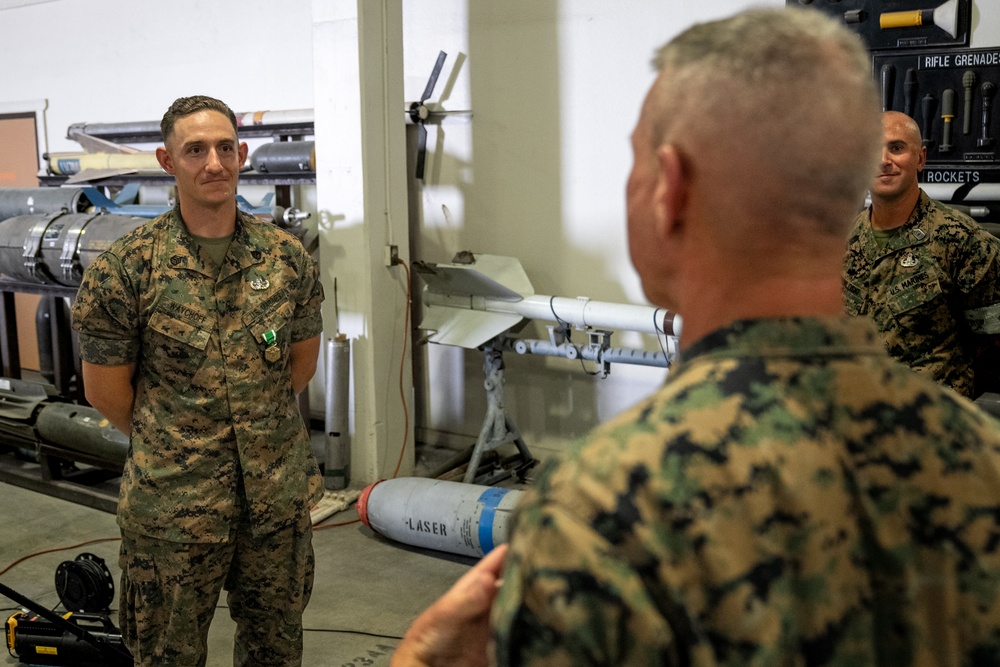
[(672, 189), (244, 150), (163, 157)]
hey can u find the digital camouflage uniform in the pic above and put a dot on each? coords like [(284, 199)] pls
[(217, 438), (792, 496), (934, 286)]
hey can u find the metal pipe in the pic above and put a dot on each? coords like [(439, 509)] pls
[(338, 374), (588, 352)]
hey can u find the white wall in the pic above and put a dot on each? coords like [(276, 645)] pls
[(537, 173), (120, 60), (985, 28)]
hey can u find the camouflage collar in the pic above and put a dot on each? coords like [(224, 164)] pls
[(911, 233), (181, 251), (789, 337)]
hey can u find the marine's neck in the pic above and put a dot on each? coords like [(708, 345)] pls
[(722, 290), (891, 213), (210, 221)]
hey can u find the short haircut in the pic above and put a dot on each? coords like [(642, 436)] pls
[(784, 100), (185, 106)]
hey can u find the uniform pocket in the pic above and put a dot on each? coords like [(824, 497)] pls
[(176, 340), (179, 330), (271, 319), (854, 299)]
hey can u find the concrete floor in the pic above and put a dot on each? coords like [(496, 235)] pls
[(367, 590)]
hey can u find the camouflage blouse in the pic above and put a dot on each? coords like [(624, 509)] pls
[(792, 496), (215, 418)]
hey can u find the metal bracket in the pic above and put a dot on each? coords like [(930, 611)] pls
[(599, 340), (33, 246), (498, 429), (69, 258)]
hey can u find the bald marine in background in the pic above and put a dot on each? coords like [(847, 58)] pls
[(926, 274)]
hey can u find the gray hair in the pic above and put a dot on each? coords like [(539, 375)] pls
[(785, 99)]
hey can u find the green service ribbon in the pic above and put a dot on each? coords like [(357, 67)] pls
[(269, 337)]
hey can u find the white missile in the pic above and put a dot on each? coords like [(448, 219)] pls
[(247, 121), (465, 519), (476, 300), (84, 167)]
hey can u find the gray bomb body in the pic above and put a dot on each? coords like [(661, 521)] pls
[(465, 519)]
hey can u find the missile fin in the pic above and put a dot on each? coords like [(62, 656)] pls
[(466, 328), (88, 175), (98, 145), (491, 276), (97, 198)]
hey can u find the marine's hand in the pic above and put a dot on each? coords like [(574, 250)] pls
[(455, 630)]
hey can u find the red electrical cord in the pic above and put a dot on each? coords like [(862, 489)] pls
[(402, 392), (402, 360), (49, 551)]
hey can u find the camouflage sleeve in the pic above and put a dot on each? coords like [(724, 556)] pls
[(308, 318), (978, 278), (105, 314), (568, 599), (852, 275)]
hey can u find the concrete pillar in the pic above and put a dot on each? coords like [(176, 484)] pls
[(361, 190)]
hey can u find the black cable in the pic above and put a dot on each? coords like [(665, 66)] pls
[(659, 330), (49, 551), (564, 328), (351, 632)]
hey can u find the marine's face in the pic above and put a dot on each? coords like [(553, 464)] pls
[(903, 159), (205, 157)]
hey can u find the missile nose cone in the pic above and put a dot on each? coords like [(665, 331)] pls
[(362, 503)]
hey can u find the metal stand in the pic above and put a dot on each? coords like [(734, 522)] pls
[(497, 428)]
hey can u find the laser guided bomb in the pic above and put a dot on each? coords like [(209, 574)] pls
[(459, 518)]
